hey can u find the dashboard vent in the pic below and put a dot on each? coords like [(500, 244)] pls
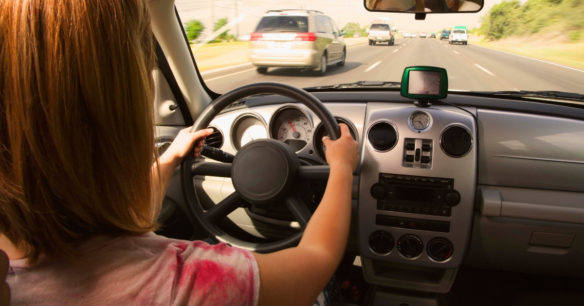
[(456, 141), (215, 140), (382, 136)]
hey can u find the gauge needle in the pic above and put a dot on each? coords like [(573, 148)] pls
[(294, 133)]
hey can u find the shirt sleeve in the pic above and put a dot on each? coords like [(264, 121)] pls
[(213, 275)]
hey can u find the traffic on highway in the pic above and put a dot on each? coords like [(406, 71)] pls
[(331, 45)]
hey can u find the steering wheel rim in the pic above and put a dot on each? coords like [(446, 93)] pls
[(209, 218)]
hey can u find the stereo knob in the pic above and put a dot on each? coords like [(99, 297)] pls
[(378, 191), (381, 242), (452, 198), (440, 249), (410, 246)]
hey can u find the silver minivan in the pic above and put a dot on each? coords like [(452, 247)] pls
[(296, 38)]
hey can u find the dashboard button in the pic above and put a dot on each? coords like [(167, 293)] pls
[(410, 146), (425, 159), (409, 158)]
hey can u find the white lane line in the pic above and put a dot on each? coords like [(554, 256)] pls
[(534, 59), (225, 68), (372, 66), (228, 75), (455, 51), (484, 69), (394, 51)]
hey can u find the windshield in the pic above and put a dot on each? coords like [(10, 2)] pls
[(510, 46)]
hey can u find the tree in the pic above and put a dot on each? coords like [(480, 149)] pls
[(351, 29), (502, 20), (194, 29), (218, 25)]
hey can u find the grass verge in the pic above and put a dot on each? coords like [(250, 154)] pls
[(560, 52)]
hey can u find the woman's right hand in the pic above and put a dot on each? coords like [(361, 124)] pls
[(343, 152)]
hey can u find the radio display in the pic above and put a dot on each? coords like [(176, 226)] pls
[(414, 194)]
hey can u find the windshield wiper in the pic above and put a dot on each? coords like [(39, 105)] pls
[(359, 84), (537, 94)]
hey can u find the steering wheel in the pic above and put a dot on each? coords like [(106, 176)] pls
[(263, 171)]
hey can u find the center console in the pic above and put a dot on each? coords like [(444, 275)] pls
[(417, 189)]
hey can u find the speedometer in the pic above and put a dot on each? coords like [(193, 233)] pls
[(292, 127)]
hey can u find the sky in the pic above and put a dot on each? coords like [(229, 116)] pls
[(342, 11)]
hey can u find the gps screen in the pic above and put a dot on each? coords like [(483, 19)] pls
[(424, 82)]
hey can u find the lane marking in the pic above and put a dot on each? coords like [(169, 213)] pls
[(534, 59), (372, 66), (484, 69), (228, 75), (456, 52), (224, 68), (394, 51)]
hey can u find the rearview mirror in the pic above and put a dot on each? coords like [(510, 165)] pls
[(424, 6)]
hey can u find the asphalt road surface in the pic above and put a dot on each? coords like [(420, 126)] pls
[(469, 68)]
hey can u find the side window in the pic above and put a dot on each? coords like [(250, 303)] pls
[(328, 25), (335, 28), (320, 24)]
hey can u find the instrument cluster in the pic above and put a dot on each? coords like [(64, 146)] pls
[(291, 125)]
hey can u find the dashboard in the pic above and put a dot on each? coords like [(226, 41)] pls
[(478, 181)]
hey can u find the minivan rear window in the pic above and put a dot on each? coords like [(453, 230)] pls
[(283, 24), (459, 31), (380, 27)]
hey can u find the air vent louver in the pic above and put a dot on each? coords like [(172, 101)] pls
[(215, 140), (382, 136), (456, 141)]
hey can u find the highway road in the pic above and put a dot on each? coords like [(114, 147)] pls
[(469, 68)]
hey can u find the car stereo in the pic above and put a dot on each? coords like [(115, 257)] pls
[(415, 194)]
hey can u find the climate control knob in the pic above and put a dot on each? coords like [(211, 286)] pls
[(410, 246), (381, 242), (440, 249)]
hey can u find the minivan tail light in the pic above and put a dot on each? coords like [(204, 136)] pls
[(308, 36), (256, 36)]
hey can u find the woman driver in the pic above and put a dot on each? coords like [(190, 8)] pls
[(76, 147)]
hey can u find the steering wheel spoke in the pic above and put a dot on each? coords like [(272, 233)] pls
[(298, 209), (224, 208), (320, 172), (211, 169)]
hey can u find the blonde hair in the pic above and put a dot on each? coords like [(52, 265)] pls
[(76, 127)]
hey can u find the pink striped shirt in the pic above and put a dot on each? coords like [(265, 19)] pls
[(140, 270)]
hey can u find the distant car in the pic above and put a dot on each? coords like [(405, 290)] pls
[(380, 33), (422, 35), (458, 36), (445, 34), (296, 38), (433, 35)]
